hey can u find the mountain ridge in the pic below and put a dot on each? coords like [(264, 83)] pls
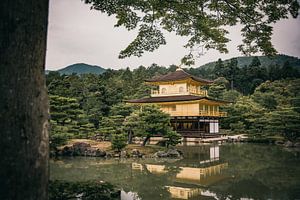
[(80, 68), (243, 61), (83, 68)]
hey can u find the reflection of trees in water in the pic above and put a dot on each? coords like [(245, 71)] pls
[(255, 189), (256, 171), (86, 190), (172, 170), (195, 152), (259, 172), (147, 185)]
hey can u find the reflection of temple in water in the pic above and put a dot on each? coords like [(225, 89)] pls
[(189, 179), (183, 193), (202, 176)]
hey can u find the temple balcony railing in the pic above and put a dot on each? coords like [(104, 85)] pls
[(203, 113), (197, 92), (157, 93), (212, 114), (154, 92)]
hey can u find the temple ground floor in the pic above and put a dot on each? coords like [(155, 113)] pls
[(196, 127)]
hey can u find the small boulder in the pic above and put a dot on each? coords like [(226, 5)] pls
[(170, 153), (88, 152), (81, 148), (136, 153), (173, 153), (100, 153), (67, 151), (160, 154), (109, 155), (93, 152)]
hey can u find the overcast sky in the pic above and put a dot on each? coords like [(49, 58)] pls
[(77, 34)]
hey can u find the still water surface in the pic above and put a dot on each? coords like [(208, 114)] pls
[(230, 171)]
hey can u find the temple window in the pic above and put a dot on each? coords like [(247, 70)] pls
[(181, 89)]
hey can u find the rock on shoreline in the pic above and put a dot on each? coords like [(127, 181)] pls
[(85, 149), (170, 153), (81, 149)]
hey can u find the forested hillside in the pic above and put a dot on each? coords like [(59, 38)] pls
[(264, 60), (90, 104), (246, 77), (80, 68), (85, 105)]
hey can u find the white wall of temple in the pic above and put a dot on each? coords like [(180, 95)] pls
[(214, 126), (168, 89)]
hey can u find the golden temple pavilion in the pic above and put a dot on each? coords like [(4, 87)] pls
[(180, 94)]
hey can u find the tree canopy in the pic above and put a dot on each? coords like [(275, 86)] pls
[(272, 110), (202, 22)]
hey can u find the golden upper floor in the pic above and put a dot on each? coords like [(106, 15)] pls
[(181, 94), (192, 109), (178, 89), (178, 83), (185, 105)]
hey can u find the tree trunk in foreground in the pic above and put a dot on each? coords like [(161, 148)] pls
[(23, 100)]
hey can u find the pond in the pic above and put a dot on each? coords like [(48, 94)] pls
[(229, 171)]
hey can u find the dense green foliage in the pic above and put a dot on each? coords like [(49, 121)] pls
[(67, 120), (202, 22), (152, 121), (245, 78), (118, 142), (172, 138), (243, 61), (272, 110), (94, 105)]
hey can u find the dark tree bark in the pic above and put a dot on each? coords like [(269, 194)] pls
[(130, 135), (145, 141), (23, 100)]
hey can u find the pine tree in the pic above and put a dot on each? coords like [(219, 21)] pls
[(131, 124), (64, 110), (121, 109), (118, 141), (217, 89), (152, 121), (172, 138), (284, 121), (111, 125), (67, 121)]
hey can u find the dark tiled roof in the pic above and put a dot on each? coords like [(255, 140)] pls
[(176, 76), (172, 99)]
